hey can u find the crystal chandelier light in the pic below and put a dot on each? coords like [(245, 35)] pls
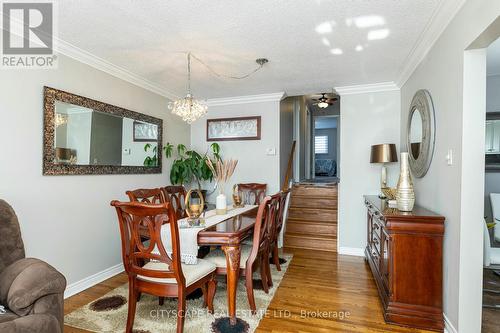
[(188, 108), (61, 119)]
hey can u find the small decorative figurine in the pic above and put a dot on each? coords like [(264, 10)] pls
[(194, 208)]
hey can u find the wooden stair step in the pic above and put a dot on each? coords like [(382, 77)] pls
[(322, 191), (311, 228), (314, 202), (317, 242), (311, 214)]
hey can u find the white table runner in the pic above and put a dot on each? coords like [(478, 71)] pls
[(188, 236)]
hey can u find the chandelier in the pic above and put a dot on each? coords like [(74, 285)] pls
[(188, 108), (61, 119)]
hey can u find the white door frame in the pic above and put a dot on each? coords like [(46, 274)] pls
[(472, 181)]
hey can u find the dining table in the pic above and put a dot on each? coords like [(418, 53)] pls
[(228, 233)]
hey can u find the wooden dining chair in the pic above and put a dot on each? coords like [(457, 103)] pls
[(252, 256), (163, 275), (277, 226), (253, 193), (147, 195), (176, 195)]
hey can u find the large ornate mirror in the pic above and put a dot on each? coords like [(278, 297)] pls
[(84, 136), (420, 133)]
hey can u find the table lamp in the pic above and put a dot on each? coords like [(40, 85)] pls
[(383, 153)]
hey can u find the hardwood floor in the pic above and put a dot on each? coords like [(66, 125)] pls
[(491, 317), (316, 284)]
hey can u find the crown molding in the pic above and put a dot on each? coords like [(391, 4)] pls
[(94, 61), (366, 88), (274, 97), (440, 19)]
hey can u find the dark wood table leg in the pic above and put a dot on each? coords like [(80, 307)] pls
[(233, 253)]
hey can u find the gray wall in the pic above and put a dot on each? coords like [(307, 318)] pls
[(75, 209), (254, 163), (286, 135), (442, 73), (304, 118), (357, 175)]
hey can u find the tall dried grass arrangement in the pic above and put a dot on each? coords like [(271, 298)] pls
[(222, 171)]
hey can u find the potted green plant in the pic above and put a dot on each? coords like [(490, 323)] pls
[(190, 166), (150, 161)]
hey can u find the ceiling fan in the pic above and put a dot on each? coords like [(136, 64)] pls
[(323, 102)]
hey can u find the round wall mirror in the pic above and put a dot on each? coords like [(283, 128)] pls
[(420, 131), (415, 134)]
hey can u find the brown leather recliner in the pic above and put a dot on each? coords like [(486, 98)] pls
[(31, 290)]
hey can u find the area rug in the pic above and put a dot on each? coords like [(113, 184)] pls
[(109, 313)]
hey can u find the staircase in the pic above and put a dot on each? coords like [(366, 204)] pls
[(312, 217)]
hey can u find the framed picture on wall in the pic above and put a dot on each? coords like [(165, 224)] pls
[(145, 132), (233, 129)]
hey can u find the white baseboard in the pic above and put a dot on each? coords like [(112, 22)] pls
[(92, 280), (351, 251), (448, 326)]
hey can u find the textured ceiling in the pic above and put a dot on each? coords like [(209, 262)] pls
[(302, 39)]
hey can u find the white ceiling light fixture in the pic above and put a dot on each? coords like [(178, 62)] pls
[(323, 105), (378, 34), (188, 108)]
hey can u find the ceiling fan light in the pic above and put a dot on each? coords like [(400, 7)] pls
[(322, 105)]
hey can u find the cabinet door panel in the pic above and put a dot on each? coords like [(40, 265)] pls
[(384, 259)]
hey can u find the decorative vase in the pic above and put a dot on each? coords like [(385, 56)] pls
[(405, 195), (220, 202)]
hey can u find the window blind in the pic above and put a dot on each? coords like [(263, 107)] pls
[(321, 144)]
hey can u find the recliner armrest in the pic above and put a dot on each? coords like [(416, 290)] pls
[(26, 281), (35, 323)]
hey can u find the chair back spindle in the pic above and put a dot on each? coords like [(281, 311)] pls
[(253, 193), (176, 195), (147, 195)]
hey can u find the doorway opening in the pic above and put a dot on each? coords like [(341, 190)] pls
[(475, 238), (316, 130), (491, 253)]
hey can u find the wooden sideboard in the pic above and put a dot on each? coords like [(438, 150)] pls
[(405, 253)]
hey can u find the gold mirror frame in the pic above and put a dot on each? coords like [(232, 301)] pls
[(51, 168)]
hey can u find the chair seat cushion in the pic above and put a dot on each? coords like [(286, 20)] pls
[(218, 257), (192, 273), (495, 256)]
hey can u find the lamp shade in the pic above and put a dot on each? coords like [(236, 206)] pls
[(384, 153)]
